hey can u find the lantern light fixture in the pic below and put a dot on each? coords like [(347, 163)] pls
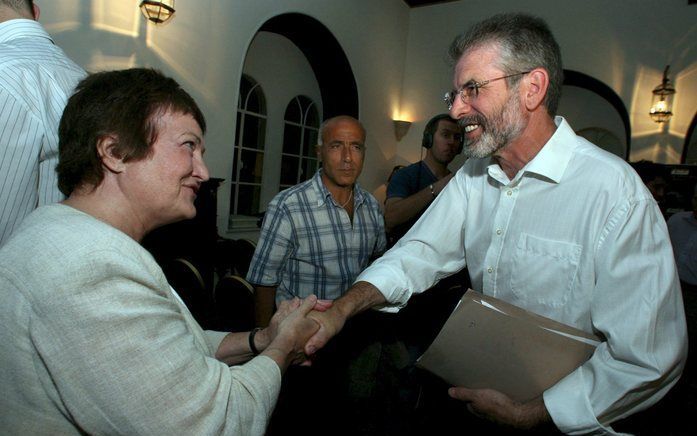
[(662, 100), (158, 12)]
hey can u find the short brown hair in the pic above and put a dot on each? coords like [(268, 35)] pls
[(125, 104)]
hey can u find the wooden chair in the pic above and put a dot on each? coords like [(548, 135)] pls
[(187, 281), (244, 251), (234, 303)]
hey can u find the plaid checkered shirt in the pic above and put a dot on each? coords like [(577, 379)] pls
[(308, 244)]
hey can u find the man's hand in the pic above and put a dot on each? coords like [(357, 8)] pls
[(361, 296), (499, 408), (330, 323)]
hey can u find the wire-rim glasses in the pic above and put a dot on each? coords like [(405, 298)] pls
[(470, 90)]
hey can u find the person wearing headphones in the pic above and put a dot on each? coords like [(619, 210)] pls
[(409, 193), (412, 189)]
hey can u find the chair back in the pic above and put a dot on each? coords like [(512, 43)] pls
[(186, 279), (234, 303), (244, 251)]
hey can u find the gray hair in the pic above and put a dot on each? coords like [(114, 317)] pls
[(21, 6), (327, 122), (525, 43)]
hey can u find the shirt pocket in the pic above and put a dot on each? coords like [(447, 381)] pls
[(544, 271)]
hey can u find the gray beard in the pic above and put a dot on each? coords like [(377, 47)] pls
[(499, 131)]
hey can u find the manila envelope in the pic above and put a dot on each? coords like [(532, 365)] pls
[(488, 343)]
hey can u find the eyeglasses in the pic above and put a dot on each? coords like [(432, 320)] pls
[(470, 90)]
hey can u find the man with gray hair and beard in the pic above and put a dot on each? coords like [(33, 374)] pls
[(547, 221)]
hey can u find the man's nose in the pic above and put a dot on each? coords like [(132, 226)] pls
[(459, 108)]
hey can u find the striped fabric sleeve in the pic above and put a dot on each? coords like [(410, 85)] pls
[(20, 138)]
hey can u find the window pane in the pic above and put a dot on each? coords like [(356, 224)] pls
[(289, 170), (237, 128), (311, 117), (309, 169), (252, 164), (254, 132), (293, 112), (256, 101), (233, 196), (291, 139), (309, 143), (249, 199), (245, 86), (235, 158)]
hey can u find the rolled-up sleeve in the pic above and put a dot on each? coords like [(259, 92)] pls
[(431, 250)]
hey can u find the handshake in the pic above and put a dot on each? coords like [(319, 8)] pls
[(296, 331)]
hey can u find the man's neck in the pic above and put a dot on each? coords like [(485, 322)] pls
[(7, 13), (341, 194), (514, 156)]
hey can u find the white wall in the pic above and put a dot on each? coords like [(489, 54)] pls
[(204, 48)]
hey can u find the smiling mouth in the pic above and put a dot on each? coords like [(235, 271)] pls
[(471, 127)]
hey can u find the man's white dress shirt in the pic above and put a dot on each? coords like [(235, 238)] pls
[(576, 237), (36, 79)]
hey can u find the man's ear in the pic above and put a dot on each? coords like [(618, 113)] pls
[(536, 83), (111, 160), (36, 12)]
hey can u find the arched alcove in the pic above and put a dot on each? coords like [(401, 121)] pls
[(326, 57), (615, 104), (689, 149)]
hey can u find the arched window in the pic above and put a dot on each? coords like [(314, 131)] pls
[(300, 129), (249, 150)]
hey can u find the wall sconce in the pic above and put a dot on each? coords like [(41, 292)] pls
[(662, 100), (158, 12), (401, 128)]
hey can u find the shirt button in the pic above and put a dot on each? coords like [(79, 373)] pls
[(509, 193), (498, 231), (490, 270)]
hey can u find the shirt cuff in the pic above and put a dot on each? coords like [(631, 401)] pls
[(214, 339), (570, 408), (384, 281)]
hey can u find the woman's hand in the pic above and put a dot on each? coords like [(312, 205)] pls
[(289, 330)]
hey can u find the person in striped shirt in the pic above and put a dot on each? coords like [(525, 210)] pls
[(36, 79)]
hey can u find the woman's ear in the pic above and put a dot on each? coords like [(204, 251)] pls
[(111, 160), (537, 82)]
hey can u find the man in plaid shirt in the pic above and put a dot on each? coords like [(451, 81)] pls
[(320, 234)]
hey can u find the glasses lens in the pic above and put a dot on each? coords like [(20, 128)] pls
[(448, 99), (471, 90)]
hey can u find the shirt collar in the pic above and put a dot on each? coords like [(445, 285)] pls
[(551, 161), (323, 194), (554, 157), (21, 28)]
